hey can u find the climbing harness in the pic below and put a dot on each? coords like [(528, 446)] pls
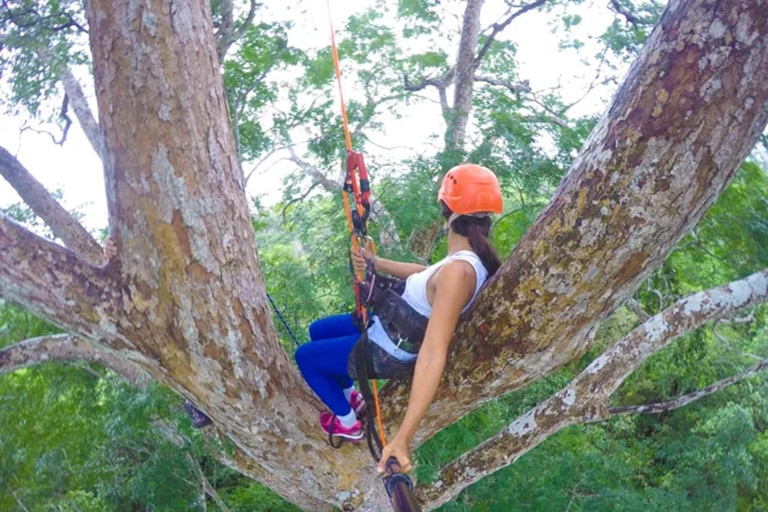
[(357, 185)]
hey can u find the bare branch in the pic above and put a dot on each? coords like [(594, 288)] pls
[(635, 307), (209, 489), (628, 16), (62, 347), (78, 101), (298, 199), (523, 87), (499, 27), (315, 173), (427, 82), (63, 225), (82, 110), (583, 399), (690, 397), (227, 35), (247, 22)]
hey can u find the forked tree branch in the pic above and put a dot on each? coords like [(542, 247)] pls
[(61, 222), (62, 347), (583, 399)]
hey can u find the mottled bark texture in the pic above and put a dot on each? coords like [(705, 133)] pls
[(584, 398), (61, 222), (185, 300)]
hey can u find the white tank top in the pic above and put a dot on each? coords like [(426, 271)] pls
[(415, 295)]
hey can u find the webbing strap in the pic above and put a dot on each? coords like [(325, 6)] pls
[(363, 364)]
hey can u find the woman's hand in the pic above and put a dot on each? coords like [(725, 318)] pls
[(399, 449), (110, 249), (360, 259)]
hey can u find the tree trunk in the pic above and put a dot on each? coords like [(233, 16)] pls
[(185, 300)]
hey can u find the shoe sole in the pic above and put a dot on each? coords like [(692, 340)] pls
[(350, 437)]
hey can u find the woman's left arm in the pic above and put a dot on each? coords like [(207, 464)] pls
[(454, 287)]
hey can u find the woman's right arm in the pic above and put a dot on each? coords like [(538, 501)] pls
[(396, 269), (393, 268)]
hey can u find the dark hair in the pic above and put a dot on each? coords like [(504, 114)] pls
[(477, 229)]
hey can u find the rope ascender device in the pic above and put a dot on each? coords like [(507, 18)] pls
[(357, 186)]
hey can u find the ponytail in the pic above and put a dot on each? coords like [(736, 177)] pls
[(477, 230)]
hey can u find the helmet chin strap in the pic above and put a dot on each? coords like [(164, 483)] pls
[(478, 215)]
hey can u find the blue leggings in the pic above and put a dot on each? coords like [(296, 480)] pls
[(323, 361)]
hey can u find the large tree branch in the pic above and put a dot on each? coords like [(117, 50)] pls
[(62, 347), (61, 222), (583, 399), (53, 283)]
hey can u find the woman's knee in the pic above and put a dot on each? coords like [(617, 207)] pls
[(302, 356)]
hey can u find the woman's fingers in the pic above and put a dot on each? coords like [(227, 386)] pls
[(110, 249)]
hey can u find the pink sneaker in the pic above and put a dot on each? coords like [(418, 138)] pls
[(357, 402), (354, 433)]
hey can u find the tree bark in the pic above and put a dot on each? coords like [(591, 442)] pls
[(61, 222), (184, 299), (463, 80), (193, 291)]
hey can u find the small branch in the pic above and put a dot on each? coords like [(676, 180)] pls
[(64, 347), (499, 27), (523, 87), (690, 397), (635, 307), (316, 175), (427, 82), (247, 22), (298, 199), (61, 222), (209, 489), (628, 16), (82, 110), (227, 35)]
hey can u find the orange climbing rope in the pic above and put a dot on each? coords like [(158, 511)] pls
[(356, 183)]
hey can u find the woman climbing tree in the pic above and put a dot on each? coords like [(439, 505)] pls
[(399, 339)]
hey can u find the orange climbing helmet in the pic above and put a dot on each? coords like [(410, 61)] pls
[(471, 188)]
